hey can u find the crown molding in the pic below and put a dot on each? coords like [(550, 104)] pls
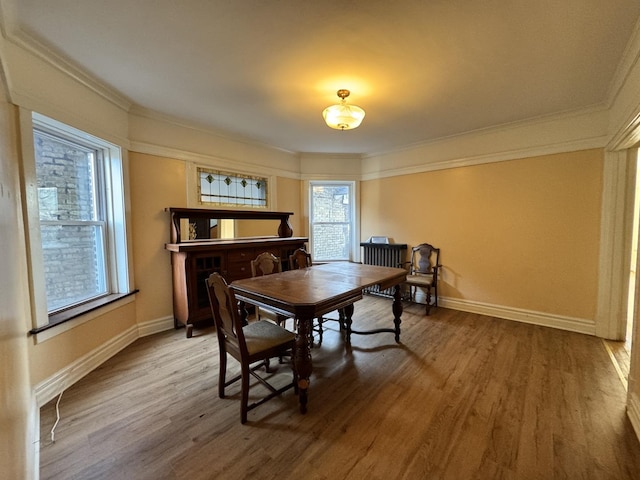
[(504, 127), (630, 58), (49, 55), (143, 112), (540, 150), (627, 137), (209, 160)]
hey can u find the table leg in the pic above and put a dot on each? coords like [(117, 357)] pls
[(348, 314), (242, 306), (302, 360), (397, 311)]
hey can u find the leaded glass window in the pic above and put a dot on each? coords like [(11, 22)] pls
[(232, 189)]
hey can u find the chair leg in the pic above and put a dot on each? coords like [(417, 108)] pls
[(428, 308), (223, 374), (320, 329), (244, 403)]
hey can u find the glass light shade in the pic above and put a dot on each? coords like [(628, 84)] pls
[(343, 117)]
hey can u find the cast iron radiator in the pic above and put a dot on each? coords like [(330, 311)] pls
[(386, 255)]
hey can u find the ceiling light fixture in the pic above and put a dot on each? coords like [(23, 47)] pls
[(343, 116)]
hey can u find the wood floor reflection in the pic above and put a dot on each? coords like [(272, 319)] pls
[(464, 396)]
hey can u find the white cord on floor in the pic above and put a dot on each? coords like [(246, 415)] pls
[(53, 434)]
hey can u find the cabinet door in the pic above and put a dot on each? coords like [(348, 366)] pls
[(202, 266)]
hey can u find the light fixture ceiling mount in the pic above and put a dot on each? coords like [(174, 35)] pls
[(342, 116)]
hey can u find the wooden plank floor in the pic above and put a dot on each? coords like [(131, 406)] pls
[(463, 397)]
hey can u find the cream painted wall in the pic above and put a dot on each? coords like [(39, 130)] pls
[(17, 407), (156, 183), (56, 354), (287, 199), (521, 234), (154, 134)]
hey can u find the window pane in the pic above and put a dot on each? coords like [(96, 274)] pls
[(65, 174), (331, 203), (74, 263), (330, 241)]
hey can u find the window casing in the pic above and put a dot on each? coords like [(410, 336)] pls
[(78, 252)]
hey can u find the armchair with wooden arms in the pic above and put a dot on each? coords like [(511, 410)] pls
[(423, 273), (248, 344)]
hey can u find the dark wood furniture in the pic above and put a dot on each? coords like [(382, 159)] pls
[(302, 259), (193, 261), (255, 342), (423, 273), (309, 293), (265, 264)]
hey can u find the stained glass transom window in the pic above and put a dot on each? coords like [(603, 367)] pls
[(223, 188)]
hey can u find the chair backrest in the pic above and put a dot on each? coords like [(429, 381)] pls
[(265, 264), (424, 258), (224, 308), (300, 259)]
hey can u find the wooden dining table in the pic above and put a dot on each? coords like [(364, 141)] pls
[(314, 291)]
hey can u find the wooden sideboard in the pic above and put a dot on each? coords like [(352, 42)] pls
[(193, 261)]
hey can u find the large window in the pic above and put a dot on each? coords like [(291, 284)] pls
[(332, 214), (72, 219), (80, 208)]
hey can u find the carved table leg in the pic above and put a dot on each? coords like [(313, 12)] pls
[(302, 359), (348, 313), (242, 306), (397, 311)]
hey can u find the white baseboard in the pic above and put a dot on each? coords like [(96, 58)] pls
[(48, 389), (155, 326), (633, 412), (572, 324)]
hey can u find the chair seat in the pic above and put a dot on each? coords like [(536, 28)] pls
[(261, 336), (420, 280)]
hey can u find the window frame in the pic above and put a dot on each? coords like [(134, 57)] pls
[(99, 197), (118, 270), (353, 247)]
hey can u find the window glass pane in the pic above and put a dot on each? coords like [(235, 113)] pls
[(74, 263), (331, 203), (330, 241), (65, 174)]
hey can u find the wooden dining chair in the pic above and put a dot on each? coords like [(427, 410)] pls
[(248, 344), (423, 273), (265, 264)]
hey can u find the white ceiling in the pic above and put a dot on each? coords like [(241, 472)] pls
[(265, 70)]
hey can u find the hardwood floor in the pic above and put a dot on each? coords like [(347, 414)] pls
[(463, 397)]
